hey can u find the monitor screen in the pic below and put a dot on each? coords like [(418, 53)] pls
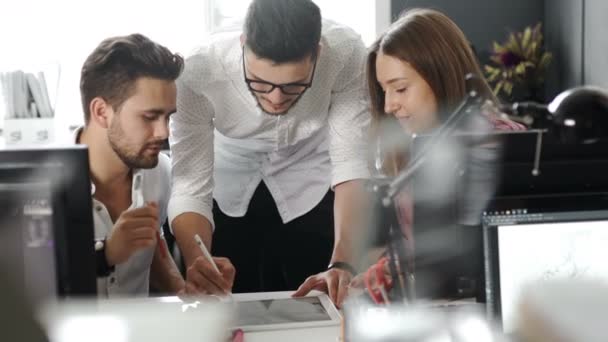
[(47, 226), (525, 245)]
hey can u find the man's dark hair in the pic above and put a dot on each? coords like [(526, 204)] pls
[(111, 70), (283, 30)]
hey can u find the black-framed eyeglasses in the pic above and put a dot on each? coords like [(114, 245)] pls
[(265, 87)]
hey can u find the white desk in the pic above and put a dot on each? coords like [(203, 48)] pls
[(320, 334)]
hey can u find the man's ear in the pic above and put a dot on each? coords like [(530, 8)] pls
[(100, 112)]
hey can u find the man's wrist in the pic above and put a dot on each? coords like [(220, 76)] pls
[(341, 254), (110, 252), (103, 268), (342, 266), (185, 226)]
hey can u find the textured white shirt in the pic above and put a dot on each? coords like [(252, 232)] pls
[(132, 277), (220, 135)]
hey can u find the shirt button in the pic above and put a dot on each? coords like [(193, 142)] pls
[(112, 280), (98, 208)]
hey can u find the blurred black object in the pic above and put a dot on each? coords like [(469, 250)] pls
[(17, 318)]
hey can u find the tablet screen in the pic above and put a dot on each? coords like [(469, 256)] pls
[(284, 310)]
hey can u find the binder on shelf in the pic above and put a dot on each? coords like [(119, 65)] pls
[(29, 113)]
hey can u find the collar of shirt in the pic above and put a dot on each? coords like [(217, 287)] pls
[(136, 173)]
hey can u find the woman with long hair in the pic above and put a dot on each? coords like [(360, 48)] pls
[(416, 77)]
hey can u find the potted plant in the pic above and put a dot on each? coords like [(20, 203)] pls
[(517, 67)]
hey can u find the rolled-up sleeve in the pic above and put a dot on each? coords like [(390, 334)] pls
[(191, 143), (349, 117)]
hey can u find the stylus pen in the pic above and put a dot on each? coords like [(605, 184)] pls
[(139, 202), (207, 255)]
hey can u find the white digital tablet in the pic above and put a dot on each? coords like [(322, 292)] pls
[(278, 310)]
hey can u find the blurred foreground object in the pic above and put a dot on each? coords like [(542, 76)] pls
[(420, 323), (137, 320), (564, 311)]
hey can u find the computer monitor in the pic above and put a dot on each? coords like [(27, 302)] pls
[(548, 225), (46, 224)]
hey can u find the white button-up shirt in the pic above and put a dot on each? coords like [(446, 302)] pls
[(220, 135), (132, 277)]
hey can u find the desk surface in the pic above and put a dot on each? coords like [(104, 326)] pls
[(320, 334)]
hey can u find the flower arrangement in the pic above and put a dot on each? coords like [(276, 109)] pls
[(518, 65)]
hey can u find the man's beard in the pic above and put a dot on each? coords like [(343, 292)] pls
[(133, 160), (257, 101)]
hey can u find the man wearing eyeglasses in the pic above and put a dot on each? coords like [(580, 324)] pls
[(267, 124)]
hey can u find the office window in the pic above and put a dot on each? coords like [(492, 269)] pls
[(52, 34), (366, 17)]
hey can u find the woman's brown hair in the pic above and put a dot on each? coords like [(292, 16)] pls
[(438, 50)]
